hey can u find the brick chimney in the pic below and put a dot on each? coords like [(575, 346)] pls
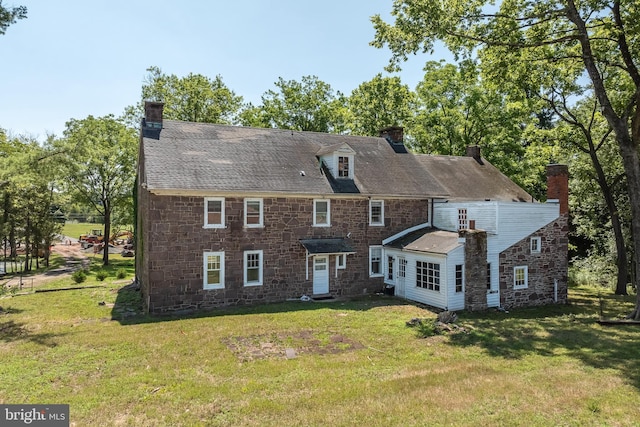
[(558, 186), (474, 151), (152, 121), (395, 137)]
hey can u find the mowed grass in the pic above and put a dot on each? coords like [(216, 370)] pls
[(351, 363)]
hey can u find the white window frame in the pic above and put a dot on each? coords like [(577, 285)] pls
[(376, 249), (459, 279), (341, 261), (463, 219), (430, 277), (315, 205), (206, 212), (349, 158), (246, 265), (205, 284), (371, 204), (535, 245), (525, 279), (246, 211)]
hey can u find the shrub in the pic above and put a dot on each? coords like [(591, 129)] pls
[(79, 276), (121, 273), (101, 275)]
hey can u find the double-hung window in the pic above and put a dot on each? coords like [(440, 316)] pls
[(214, 212), (375, 261), (343, 167), (213, 270), (253, 268), (520, 277), (376, 212), (253, 213), (321, 213), (463, 222), (535, 245)]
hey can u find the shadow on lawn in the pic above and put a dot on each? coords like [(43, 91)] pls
[(12, 331), (128, 307), (569, 330)]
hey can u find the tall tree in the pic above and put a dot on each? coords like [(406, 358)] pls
[(99, 156), (380, 103), (193, 98), (307, 105), (10, 15), (456, 109), (564, 38)]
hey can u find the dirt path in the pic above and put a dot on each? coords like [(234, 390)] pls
[(75, 258)]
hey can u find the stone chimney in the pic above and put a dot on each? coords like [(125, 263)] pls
[(475, 268), (474, 151), (152, 121), (558, 186)]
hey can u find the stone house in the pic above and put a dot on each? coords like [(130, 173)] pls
[(230, 215)]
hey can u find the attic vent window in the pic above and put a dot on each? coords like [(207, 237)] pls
[(343, 167)]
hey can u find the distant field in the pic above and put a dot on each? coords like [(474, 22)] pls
[(340, 363), (75, 230)]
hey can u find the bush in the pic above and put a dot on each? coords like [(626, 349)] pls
[(101, 275), (79, 276), (121, 273)]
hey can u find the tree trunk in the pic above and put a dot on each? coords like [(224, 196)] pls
[(107, 232), (621, 250)]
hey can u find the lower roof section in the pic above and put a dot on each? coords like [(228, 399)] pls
[(429, 239)]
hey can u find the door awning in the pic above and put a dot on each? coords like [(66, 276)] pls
[(327, 246)]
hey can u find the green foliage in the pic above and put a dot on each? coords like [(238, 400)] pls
[(79, 276), (121, 273), (101, 275), (10, 15), (379, 103), (194, 98), (308, 105)]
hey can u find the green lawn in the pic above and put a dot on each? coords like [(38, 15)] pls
[(356, 363)]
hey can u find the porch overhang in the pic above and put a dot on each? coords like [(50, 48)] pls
[(327, 246)]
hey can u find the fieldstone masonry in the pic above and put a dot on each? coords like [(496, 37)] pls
[(170, 264), (475, 269)]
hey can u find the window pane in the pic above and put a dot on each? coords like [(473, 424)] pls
[(343, 166), (213, 277), (214, 212), (253, 212), (253, 275)]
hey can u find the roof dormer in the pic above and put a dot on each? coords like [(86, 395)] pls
[(339, 160)]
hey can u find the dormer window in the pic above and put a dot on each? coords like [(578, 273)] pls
[(343, 167)]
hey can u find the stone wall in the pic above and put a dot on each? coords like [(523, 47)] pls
[(475, 269), (544, 268), (174, 240)]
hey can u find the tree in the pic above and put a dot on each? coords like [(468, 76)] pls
[(10, 15), (99, 156), (309, 105), (538, 44), (379, 103), (194, 98), (456, 109)]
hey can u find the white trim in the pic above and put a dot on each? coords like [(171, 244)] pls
[(260, 268), (205, 257), (538, 245), (526, 276), (381, 222), (328, 202), (206, 212), (261, 220), (381, 272), (341, 265)]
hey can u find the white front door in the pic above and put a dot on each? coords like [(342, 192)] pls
[(402, 273), (320, 275)]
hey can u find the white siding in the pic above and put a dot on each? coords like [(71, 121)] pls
[(493, 296), (455, 301), (518, 220)]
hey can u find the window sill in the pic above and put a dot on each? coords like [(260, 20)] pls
[(213, 288), (213, 226), (248, 285)]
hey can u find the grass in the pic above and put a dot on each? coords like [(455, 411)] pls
[(74, 230), (356, 362)]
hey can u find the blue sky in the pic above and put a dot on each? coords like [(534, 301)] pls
[(76, 58)]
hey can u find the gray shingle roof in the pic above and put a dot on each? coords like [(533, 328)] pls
[(220, 158), (427, 240)]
